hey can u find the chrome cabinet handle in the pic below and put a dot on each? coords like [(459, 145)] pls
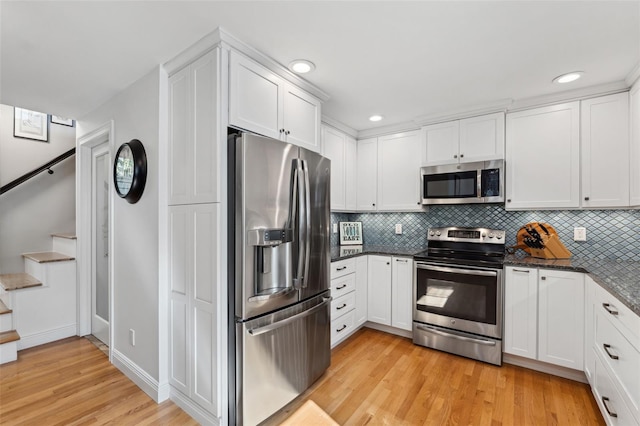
[(543, 278), (341, 269), (342, 328), (586, 198), (286, 132), (611, 311), (606, 349), (344, 305), (521, 270), (402, 260), (606, 407), (455, 155), (341, 287), (509, 200), (461, 155)]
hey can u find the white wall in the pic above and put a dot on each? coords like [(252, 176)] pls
[(135, 113), (43, 205)]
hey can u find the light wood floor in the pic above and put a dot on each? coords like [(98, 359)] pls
[(71, 382), (379, 379)]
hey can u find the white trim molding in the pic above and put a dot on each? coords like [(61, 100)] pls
[(465, 112), (138, 376), (339, 126), (388, 130), (633, 76), (37, 339), (194, 410), (556, 370)]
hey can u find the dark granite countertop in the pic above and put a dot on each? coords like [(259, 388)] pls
[(621, 278)]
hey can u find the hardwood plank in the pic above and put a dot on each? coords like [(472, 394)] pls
[(71, 382), (379, 379)]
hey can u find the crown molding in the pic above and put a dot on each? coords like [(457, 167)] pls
[(388, 130), (570, 95), (339, 126), (464, 112), (633, 76), (221, 37)]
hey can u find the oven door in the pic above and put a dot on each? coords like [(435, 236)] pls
[(459, 297)]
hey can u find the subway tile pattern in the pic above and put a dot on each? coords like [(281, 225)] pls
[(611, 234)]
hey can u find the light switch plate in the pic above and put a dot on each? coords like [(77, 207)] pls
[(398, 228), (335, 228), (579, 233)]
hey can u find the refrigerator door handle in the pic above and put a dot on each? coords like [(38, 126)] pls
[(299, 217), (274, 326), (307, 229)]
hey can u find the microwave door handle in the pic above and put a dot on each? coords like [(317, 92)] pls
[(479, 183)]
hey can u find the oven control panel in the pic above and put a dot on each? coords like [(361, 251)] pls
[(469, 235)]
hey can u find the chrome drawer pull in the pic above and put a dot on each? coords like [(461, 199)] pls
[(341, 287), (606, 349), (611, 311), (606, 407), (520, 270), (341, 269), (344, 305), (342, 328)]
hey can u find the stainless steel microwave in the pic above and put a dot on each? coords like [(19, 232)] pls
[(479, 182)]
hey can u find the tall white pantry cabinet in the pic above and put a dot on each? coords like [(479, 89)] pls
[(194, 243)]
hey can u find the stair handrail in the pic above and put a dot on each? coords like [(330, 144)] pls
[(25, 177)]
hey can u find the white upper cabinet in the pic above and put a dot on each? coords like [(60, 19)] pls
[(543, 157), (341, 150), (463, 141), (634, 112), (399, 172), (194, 154), (264, 103), (604, 143), (367, 174)]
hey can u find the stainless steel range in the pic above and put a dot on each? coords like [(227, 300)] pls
[(459, 293)]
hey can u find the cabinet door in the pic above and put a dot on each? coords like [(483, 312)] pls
[(333, 147), (402, 293), (379, 290), (634, 113), (482, 138), (254, 97), (361, 290), (440, 143), (366, 174), (399, 172), (301, 118), (180, 134), (589, 333), (561, 318), (543, 158), (350, 178), (605, 148), (521, 312)]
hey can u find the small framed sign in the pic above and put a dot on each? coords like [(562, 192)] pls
[(30, 125), (350, 233), (62, 120)]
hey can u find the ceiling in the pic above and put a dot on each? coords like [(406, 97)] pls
[(399, 59)]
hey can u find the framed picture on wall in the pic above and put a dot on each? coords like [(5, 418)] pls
[(55, 119), (350, 233), (29, 124)]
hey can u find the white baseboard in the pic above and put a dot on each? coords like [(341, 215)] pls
[(194, 410), (141, 378), (48, 336), (164, 392), (388, 329), (8, 352), (556, 370)]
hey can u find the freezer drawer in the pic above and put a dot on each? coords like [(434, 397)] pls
[(280, 356)]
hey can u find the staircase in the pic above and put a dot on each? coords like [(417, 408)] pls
[(39, 305)]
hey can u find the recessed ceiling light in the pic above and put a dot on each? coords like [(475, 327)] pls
[(376, 118), (301, 66), (568, 77)]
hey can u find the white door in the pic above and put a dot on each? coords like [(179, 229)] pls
[(440, 143), (399, 172), (402, 293), (333, 148), (366, 174), (100, 183), (379, 290)]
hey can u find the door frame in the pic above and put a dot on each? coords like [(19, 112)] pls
[(84, 160)]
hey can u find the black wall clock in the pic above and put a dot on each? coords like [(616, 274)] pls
[(130, 170)]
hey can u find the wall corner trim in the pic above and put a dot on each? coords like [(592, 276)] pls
[(200, 415), (141, 378)]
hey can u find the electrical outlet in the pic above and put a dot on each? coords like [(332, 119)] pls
[(579, 233), (335, 228), (398, 228), (132, 337)]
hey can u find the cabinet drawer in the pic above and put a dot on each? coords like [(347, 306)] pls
[(611, 404), (622, 317), (343, 285), (342, 267), (342, 305), (622, 359), (342, 327)]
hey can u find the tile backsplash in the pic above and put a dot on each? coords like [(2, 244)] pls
[(611, 234)]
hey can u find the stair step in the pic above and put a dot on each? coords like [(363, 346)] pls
[(3, 309), (67, 235), (9, 336), (17, 281), (48, 256)]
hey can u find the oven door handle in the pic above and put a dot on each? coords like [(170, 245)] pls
[(481, 272), (456, 336)]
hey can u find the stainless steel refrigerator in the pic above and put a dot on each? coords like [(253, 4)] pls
[(279, 259)]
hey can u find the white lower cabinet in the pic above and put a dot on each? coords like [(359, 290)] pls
[(402, 293), (343, 292), (379, 290), (194, 268), (610, 402), (362, 263), (390, 291), (544, 315)]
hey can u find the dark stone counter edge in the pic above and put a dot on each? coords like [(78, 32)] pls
[(510, 260)]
